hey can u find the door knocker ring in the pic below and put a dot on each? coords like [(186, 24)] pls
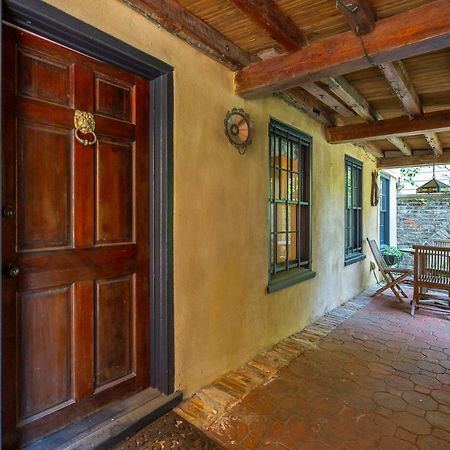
[(85, 123)]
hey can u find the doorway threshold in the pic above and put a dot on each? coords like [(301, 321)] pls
[(108, 426)]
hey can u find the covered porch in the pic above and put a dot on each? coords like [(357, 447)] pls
[(188, 187), (365, 376)]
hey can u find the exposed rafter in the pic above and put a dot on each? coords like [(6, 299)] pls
[(268, 16), (436, 121), (402, 87), (434, 143), (360, 14), (340, 87), (361, 17), (409, 161), (397, 77), (400, 144), (372, 149), (413, 35), (177, 19), (309, 105), (349, 95), (321, 94), (419, 30)]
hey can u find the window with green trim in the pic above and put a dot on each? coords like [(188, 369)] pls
[(290, 200), (384, 210), (353, 210)]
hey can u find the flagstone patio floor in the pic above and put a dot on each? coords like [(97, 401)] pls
[(376, 379)]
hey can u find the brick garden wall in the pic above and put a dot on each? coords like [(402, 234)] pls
[(422, 218)]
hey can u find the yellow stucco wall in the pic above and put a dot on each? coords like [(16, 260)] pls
[(223, 315)]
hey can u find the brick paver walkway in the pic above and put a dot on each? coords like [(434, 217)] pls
[(380, 380)]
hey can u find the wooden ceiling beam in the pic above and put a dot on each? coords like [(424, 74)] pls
[(419, 30), (409, 161), (268, 16), (360, 15), (401, 85), (350, 96), (434, 143), (399, 126), (174, 17)]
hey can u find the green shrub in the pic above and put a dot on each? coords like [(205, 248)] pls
[(392, 255)]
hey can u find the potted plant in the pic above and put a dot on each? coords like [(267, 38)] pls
[(392, 255)]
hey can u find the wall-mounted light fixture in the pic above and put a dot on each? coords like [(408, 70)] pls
[(239, 129)]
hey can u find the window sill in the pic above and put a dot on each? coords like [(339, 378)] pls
[(286, 279), (354, 259)]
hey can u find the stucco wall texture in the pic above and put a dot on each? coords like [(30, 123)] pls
[(223, 315)]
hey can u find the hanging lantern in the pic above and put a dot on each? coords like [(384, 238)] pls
[(433, 186)]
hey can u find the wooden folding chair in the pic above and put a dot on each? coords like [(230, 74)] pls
[(393, 276), (431, 275)]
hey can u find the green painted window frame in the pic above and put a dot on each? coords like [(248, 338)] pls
[(297, 196), (385, 213), (353, 211)]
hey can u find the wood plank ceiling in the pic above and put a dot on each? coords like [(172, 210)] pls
[(373, 72)]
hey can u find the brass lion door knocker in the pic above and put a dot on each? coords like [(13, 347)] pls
[(85, 123)]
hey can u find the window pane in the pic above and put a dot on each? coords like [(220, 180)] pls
[(277, 151), (295, 157), (293, 214), (272, 183), (294, 185), (284, 184), (272, 248), (284, 154), (349, 186), (277, 183), (281, 248), (292, 244), (272, 150), (281, 217), (272, 217)]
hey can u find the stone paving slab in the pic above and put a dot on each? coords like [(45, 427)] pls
[(365, 376), (209, 404)]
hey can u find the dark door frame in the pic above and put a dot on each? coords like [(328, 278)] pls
[(51, 23)]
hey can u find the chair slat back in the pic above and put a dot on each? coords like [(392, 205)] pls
[(432, 266), (382, 266)]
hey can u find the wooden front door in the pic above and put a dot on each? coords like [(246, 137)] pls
[(75, 236)]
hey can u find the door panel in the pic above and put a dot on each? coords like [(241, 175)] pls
[(45, 187), (114, 314), (44, 78), (46, 350), (114, 98), (114, 192), (76, 318)]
